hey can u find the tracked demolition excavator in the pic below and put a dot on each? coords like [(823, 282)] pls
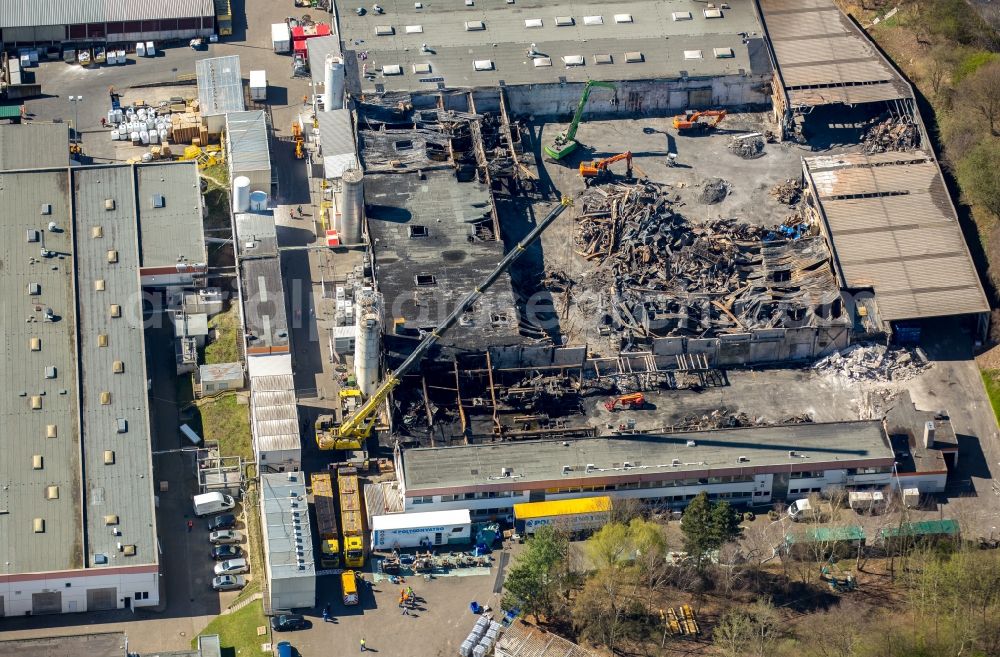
[(565, 143), (357, 428), (698, 121), (599, 168)]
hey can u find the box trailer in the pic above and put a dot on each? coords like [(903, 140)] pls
[(575, 515), (281, 37), (411, 530), (258, 85)]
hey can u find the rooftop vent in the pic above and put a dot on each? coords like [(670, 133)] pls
[(128, 550), (634, 57), (742, 459), (50, 372), (506, 472), (392, 69), (723, 53), (475, 26), (623, 18), (102, 339), (99, 285), (593, 20), (483, 64), (33, 235), (110, 520), (591, 467), (36, 402), (414, 29), (35, 344), (681, 15), (36, 462), (34, 289), (533, 22), (713, 13), (691, 443), (96, 232), (384, 30), (116, 310), (692, 54), (112, 255), (118, 367), (109, 204), (159, 201), (100, 559), (573, 60), (675, 462), (52, 492), (105, 397), (603, 59), (39, 525), (543, 61), (46, 208), (51, 431), (564, 21), (566, 469), (422, 69), (109, 457)]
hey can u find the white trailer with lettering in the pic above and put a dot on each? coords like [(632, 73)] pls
[(414, 530)]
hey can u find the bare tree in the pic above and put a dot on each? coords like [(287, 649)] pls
[(981, 92)]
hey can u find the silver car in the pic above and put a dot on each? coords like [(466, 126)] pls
[(225, 537), (229, 582), (232, 567)]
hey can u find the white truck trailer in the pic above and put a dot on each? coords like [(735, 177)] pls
[(258, 85), (281, 37), (413, 530)]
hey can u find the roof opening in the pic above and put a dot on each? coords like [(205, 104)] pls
[(102, 339), (634, 57), (116, 310), (112, 255), (99, 285), (50, 372), (424, 280), (96, 231), (105, 398), (128, 550), (474, 26), (39, 525), (109, 204), (37, 461), (35, 344), (564, 21), (52, 493), (36, 402), (159, 201), (46, 208), (118, 367), (34, 289), (110, 520), (109, 457), (483, 64), (51, 431), (417, 230)]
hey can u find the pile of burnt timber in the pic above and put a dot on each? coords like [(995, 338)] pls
[(896, 133), (667, 276)]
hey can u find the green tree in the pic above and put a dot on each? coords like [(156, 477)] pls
[(536, 581), (977, 174), (708, 526)]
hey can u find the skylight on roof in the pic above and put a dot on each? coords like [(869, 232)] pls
[(542, 61), (593, 20), (723, 53), (533, 22), (713, 13), (623, 18), (475, 26), (634, 57), (565, 21), (681, 15), (414, 29), (392, 69), (692, 54), (483, 64), (573, 60)]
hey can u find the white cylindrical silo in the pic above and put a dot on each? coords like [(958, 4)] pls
[(352, 214), (258, 202), (241, 194), (366, 345), (333, 84)]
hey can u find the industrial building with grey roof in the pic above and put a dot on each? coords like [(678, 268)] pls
[(291, 570), (496, 43), (78, 499)]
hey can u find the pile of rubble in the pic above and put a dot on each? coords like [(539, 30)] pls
[(666, 276), (788, 192), (713, 191), (724, 418), (896, 133), (749, 147), (873, 362)]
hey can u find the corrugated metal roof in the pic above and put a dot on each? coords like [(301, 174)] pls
[(523, 640), (336, 133), (247, 140), (894, 229), (220, 85), (274, 417), (823, 58), (28, 13)]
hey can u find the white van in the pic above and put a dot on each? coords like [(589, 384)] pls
[(208, 503)]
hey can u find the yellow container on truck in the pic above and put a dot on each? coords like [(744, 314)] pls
[(223, 17), (349, 583), (574, 515), (326, 519), (352, 527)]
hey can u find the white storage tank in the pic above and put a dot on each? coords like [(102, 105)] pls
[(366, 344), (258, 202), (333, 84), (241, 194), (352, 214)]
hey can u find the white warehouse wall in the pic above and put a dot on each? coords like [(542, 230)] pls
[(16, 590)]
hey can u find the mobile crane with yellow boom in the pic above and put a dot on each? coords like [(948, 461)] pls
[(356, 429)]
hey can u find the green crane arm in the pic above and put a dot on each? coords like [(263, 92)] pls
[(571, 132), (360, 424)]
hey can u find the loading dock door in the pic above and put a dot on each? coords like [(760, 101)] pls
[(102, 599), (700, 98), (46, 603), (2, 614)]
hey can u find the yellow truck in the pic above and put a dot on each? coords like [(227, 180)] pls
[(326, 519), (223, 17), (352, 529), (349, 583)]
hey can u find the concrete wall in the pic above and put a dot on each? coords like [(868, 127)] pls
[(16, 590), (634, 97), (759, 346)]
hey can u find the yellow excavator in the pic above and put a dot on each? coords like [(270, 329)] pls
[(698, 121), (357, 428)]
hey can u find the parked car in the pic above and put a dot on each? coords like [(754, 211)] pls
[(225, 521), (285, 649), (289, 623), (229, 582), (225, 536), (232, 567), (223, 552)]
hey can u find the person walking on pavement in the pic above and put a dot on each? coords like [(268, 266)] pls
[(301, 213), (363, 648)]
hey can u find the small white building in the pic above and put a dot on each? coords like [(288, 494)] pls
[(288, 552), (410, 530)]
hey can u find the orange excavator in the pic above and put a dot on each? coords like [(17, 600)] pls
[(632, 401), (702, 121), (599, 168)]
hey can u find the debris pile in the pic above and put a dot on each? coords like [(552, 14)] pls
[(713, 191), (873, 362), (666, 276), (724, 418), (749, 147), (896, 133), (788, 192)]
